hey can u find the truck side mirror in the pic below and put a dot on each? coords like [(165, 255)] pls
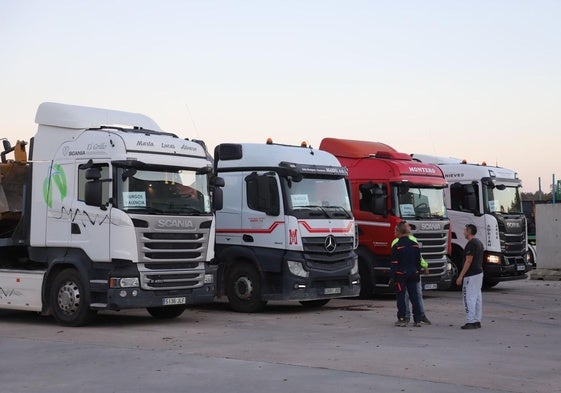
[(471, 199), (93, 192), (217, 181), (269, 192), (93, 173), (379, 202), (263, 193), (218, 198)]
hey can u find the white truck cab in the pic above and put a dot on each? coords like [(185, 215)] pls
[(489, 198), (113, 213), (286, 231)]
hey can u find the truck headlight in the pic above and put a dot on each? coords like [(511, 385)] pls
[(209, 279), (297, 269), (495, 259), (354, 270), (123, 282)]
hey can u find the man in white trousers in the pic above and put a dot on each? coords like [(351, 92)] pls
[(471, 278)]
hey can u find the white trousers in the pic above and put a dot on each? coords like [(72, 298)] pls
[(473, 301)]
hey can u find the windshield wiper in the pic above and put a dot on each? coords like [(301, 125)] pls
[(147, 209), (341, 211), (321, 211)]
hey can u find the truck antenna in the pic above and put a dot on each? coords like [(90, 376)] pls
[(192, 120)]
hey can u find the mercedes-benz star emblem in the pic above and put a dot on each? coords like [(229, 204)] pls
[(330, 244)]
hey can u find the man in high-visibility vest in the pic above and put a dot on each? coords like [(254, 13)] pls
[(424, 265)]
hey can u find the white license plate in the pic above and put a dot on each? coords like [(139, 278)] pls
[(332, 291), (520, 268), (172, 301), (430, 286)]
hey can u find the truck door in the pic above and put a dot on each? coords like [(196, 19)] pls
[(90, 224), (57, 195), (262, 222)]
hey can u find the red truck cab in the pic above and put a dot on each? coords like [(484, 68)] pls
[(387, 187)]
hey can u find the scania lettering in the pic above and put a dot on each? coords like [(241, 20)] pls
[(387, 187), (286, 231), (93, 221), (489, 198)]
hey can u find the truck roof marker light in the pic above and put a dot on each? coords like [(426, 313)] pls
[(269, 141), (484, 163), (464, 162), (382, 154), (303, 144)]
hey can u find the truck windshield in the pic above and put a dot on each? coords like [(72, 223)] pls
[(313, 197), (170, 191), (506, 200), (421, 202)]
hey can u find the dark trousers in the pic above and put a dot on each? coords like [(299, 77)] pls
[(408, 283)]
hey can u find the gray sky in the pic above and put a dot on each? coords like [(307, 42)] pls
[(479, 80)]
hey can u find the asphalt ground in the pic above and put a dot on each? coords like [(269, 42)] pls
[(349, 345)]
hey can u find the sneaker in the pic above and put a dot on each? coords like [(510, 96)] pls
[(418, 324), (407, 319), (470, 326), (425, 320), (401, 322), (478, 325)]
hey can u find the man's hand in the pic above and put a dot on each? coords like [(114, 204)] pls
[(459, 281)]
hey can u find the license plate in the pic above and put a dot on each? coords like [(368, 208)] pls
[(520, 268), (332, 291), (172, 301), (430, 286)]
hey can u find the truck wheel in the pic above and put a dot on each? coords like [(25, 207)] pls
[(69, 299), (455, 261), (365, 270), (314, 303), (168, 312), (243, 288)]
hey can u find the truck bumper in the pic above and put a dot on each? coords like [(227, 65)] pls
[(308, 289), (506, 273), (127, 298), (440, 283)]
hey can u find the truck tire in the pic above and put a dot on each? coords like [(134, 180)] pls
[(456, 262), (69, 299), (243, 288), (365, 270), (168, 312), (314, 303)]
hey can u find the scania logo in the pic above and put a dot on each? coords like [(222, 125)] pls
[(175, 223), (431, 226), (513, 224), (330, 244)]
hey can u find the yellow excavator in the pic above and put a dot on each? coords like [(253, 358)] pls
[(13, 178)]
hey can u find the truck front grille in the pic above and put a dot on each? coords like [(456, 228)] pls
[(318, 257), (171, 257), (434, 247)]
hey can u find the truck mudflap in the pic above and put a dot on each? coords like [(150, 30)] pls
[(127, 298)]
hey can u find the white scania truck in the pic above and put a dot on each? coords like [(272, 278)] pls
[(108, 213), (286, 231), (489, 198)]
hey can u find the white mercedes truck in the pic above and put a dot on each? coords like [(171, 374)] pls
[(108, 213), (286, 230), (489, 198)]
